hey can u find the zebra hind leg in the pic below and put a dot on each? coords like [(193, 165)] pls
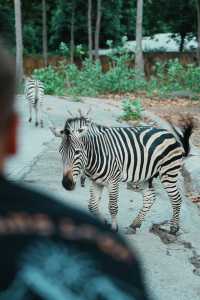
[(113, 204), (30, 111), (170, 185), (40, 113), (36, 116), (149, 198)]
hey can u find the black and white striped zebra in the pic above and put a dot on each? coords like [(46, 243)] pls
[(34, 94), (109, 155)]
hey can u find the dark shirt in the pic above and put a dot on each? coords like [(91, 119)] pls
[(51, 251)]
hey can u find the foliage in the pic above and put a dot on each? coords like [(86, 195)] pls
[(7, 21), (173, 76), (132, 109), (168, 21), (84, 82), (53, 80), (90, 80), (64, 49), (118, 19)]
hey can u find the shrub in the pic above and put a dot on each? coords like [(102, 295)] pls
[(173, 76), (132, 109), (84, 82), (53, 80), (120, 78)]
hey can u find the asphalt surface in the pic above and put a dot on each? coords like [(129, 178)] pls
[(170, 270)]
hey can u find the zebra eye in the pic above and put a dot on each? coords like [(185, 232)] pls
[(66, 131), (77, 152), (80, 130)]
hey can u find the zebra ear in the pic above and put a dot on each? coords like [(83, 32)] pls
[(57, 132)]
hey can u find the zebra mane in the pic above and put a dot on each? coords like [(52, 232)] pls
[(75, 123), (75, 119)]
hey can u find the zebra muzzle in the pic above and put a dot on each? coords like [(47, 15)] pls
[(68, 183)]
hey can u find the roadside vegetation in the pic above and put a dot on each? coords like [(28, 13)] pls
[(132, 110), (90, 80)]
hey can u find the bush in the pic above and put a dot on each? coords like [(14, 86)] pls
[(84, 82), (120, 78), (132, 109), (173, 76), (90, 80), (53, 80)]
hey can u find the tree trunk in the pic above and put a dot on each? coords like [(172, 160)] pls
[(139, 61), (181, 47), (198, 30), (19, 42), (90, 29), (72, 33), (97, 29), (44, 32)]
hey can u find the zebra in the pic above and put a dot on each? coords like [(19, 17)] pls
[(34, 94), (82, 180), (109, 155)]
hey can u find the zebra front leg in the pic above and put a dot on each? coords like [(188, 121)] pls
[(113, 204), (149, 198), (176, 200), (95, 197), (82, 180)]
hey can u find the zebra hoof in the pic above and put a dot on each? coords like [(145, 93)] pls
[(82, 183), (107, 223), (36, 124), (174, 229), (41, 125), (30, 119), (115, 229), (130, 230)]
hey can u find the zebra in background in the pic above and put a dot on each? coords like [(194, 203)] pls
[(34, 94), (109, 155)]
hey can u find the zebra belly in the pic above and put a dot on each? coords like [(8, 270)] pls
[(142, 169), (126, 178)]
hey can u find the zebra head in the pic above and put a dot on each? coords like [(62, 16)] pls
[(72, 150)]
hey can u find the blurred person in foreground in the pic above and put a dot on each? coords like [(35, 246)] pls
[(50, 250)]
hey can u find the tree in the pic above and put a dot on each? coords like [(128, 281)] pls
[(139, 61), (111, 22), (118, 19), (90, 29), (176, 17), (197, 2), (97, 29), (19, 41), (7, 23), (72, 42), (44, 32)]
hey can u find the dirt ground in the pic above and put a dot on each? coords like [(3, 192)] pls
[(169, 108), (171, 267)]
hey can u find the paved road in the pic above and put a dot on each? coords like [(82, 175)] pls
[(167, 268)]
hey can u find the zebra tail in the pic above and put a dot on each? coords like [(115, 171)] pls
[(184, 132)]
